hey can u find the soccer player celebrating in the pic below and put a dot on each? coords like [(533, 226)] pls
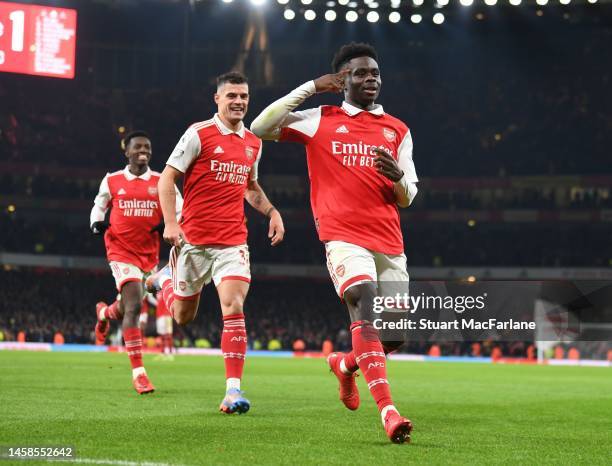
[(361, 169), (218, 159), (132, 244)]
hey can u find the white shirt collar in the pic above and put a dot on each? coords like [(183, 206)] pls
[(130, 176), (224, 130), (352, 110)]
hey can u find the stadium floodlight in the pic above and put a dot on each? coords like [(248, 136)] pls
[(373, 5), (330, 4), (442, 2), (396, 3), (343, 2), (417, 2), (592, 1), (565, 2), (228, 1), (394, 17), (466, 2), (416, 19), (309, 15), (353, 4), (283, 2), (306, 2), (258, 2), (515, 2), (438, 18), (351, 16), (490, 2), (330, 15), (372, 17), (542, 2), (289, 14)]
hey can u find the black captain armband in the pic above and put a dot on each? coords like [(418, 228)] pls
[(99, 227)]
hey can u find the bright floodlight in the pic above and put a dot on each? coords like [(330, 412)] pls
[(592, 1), (330, 4), (372, 16), (515, 2), (373, 5), (442, 2), (565, 2), (416, 19), (330, 15), (289, 14), (438, 18), (395, 3), (417, 2), (227, 1), (541, 2), (466, 2), (353, 4), (351, 16), (306, 2), (310, 15), (395, 17), (283, 2), (490, 2), (343, 2), (258, 2)]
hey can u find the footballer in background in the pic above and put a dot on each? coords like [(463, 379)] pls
[(132, 240), (163, 324)]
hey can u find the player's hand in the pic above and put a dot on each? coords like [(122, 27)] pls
[(159, 228), (99, 227), (387, 166), (331, 82), (276, 233), (173, 235)]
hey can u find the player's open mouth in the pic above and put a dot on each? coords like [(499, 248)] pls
[(143, 158), (370, 90)]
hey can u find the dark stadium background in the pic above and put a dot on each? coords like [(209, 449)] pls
[(511, 117)]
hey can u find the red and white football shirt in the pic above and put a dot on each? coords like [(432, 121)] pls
[(217, 163), (135, 210), (350, 200)]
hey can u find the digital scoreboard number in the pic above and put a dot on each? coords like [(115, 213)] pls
[(38, 40)]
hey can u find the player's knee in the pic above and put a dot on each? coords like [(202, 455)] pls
[(184, 317), (131, 308), (232, 305)]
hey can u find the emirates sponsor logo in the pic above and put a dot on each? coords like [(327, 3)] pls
[(389, 134), (230, 172), (138, 207), (357, 154)]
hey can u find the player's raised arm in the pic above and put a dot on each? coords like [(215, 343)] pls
[(278, 114), (98, 213)]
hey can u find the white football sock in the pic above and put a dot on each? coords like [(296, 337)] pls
[(385, 410), (139, 370), (232, 382)]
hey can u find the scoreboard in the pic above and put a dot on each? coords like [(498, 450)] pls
[(37, 40)]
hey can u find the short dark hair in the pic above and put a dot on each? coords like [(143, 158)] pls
[(232, 77), (353, 50), (133, 134)]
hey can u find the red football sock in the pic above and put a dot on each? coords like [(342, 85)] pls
[(167, 343), (351, 364), (168, 296), (112, 312), (133, 344), (370, 357), (234, 345)]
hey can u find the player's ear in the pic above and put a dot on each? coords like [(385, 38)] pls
[(217, 97)]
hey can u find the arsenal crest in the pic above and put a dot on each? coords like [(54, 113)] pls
[(389, 134), (182, 285), (249, 152), (340, 270), (126, 271), (152, 190)]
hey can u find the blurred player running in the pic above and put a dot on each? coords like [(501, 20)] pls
[(361, 169), (218, 159), (163, 324), (132, 244)]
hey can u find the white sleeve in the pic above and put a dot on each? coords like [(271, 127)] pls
[(277, 115), (406, 189), (178, 206), (186, 151), (100, 207), (255, 168)]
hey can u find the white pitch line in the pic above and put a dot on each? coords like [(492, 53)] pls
[(112, 462)]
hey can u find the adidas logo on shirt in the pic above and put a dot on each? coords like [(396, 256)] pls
[(121, 191), (219, 150), (342, 129)]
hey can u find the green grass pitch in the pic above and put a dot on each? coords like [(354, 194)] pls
[(463, 413)]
